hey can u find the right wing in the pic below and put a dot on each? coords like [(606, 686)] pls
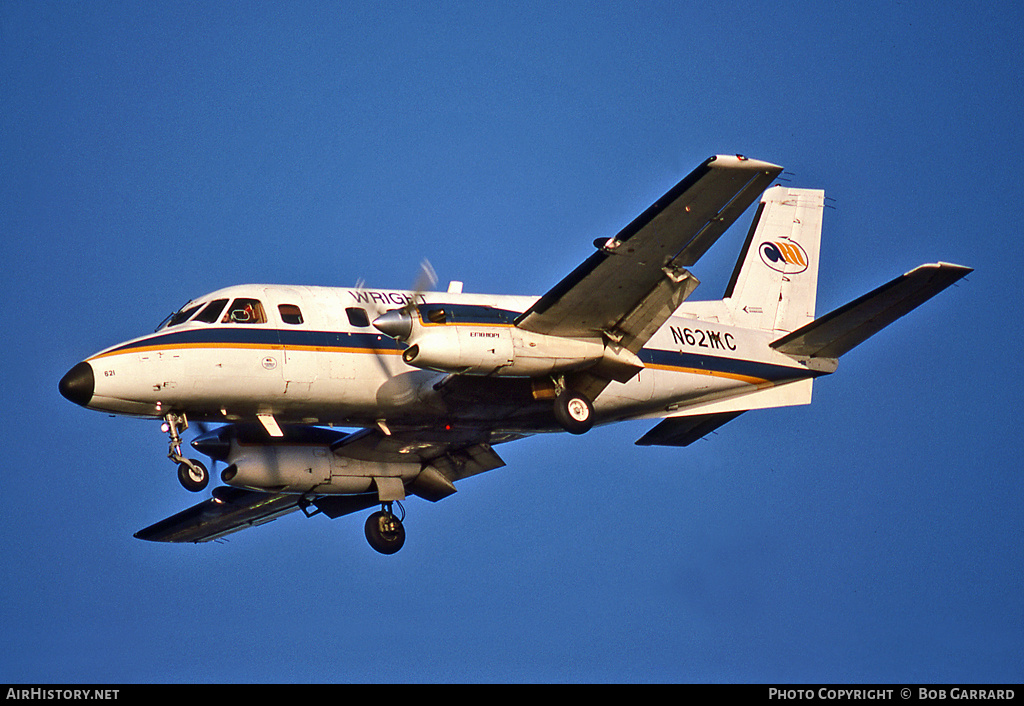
[(632, 284)]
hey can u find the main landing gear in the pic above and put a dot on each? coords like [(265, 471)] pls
[(574, 412), (192, 473), (384, 531)]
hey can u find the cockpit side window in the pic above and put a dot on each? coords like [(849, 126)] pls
[(245, 311), (290, 313), (212, 311)]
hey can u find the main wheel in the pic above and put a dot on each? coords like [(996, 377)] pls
[(193, 475), (385, 532), (574, 412)]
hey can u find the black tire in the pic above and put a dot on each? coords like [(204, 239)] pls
[(385, 532), (195, 477), (573, 412)]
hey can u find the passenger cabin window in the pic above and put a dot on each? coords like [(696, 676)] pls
[(436, 316), (290, 314), (245, 311), (467, 314), (481, 315), (358, 317), (211, 313)]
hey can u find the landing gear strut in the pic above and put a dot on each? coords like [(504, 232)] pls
[(384, 531), (192, 473)]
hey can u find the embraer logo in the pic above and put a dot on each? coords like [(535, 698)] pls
[(784, 256)]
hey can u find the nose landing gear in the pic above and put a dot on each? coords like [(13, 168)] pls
[(191, 473)]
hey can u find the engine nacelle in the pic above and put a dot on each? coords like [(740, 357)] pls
[(289, 469), (482, 340), (301, 462), (285, 469), (499, 350)]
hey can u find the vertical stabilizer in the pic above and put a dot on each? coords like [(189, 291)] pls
[(775, 282)]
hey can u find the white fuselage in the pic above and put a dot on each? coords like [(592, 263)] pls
[(310, 355)]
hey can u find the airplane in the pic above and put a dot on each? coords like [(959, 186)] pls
[(336, 400)]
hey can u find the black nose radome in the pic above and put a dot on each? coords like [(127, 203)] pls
[(79, 384)]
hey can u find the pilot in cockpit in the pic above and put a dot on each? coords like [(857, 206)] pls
[(246, 311)]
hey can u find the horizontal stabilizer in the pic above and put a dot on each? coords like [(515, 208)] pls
[(683, 431), (836, 333)]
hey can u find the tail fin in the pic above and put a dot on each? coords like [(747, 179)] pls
[(774, 285)]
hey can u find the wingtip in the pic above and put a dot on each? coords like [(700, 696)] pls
[(959, 268), (946, 267), (733, 161)]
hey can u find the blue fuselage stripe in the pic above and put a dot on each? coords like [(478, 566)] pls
[(710, 364), (342, 341)]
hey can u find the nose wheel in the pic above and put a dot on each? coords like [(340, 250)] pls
[(191, 473), (384, 531)]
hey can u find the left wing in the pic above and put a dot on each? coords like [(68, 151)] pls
[(445, 460), (445, 457), (229, 510)]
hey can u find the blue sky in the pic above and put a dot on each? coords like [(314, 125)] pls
[(153, 152)]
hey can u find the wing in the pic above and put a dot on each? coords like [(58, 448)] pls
[(445, 458), (632, 284), (229, 510)]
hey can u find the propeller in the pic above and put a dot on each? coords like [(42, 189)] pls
[(397, 323), (402, 388), (212, 443), (426, 280), (427, 277)]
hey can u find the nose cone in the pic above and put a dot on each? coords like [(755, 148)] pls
[(395, 323), (78, 384)]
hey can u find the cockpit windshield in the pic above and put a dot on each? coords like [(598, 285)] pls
[(183, 315), (241, 311), (212, 311), (180, 316)]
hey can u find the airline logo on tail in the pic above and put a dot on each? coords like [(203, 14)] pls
[(784, 256)]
